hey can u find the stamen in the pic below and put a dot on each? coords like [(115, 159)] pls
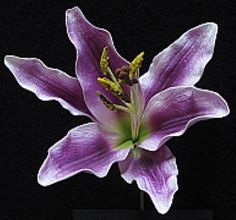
[(104, 61), (110, 105), (135, 66), (104, 65), (105, 101), (110, 86), (113, 88)]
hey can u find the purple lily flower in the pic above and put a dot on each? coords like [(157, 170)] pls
[(132, 117)]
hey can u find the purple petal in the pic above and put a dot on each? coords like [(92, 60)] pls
[(89, 42), (48, 83), (171, 112), (155, 173), (84, 148), (183, 62)]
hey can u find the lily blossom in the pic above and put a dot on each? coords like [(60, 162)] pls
[(132, 116)]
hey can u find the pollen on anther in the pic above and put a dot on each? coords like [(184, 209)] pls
[(135, 65), (104, 65), (105, 101)]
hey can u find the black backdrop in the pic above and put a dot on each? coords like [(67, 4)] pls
[(205, 153)]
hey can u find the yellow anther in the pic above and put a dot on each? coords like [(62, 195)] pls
[(113, 88), (135, 65), (104, 61), (105, 101), (110, 86)]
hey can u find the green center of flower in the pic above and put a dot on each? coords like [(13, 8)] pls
[(117, 84)]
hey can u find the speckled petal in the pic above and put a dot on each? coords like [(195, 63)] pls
[(183, 62), (84, 148), (48, 83), (155, 173), (171, 112), (89, 42)]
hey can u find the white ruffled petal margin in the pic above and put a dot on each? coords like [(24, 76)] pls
[(48, 83)]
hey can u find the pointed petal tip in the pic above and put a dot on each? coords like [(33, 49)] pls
[(47, 179), (43, 177), (164, 207), (155, 173), (208, 27), (42, 182), (211, 25), (207, 30)]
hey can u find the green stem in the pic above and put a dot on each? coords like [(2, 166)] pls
[(141, 200)]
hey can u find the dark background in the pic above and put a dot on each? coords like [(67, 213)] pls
[(205, 153)]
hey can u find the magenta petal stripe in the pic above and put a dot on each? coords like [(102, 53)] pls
[(48, 83), (171, 112), (155, 173), (84, 148), (89, 42), (183, 62)]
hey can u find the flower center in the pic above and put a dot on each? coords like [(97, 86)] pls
[(116, 84)]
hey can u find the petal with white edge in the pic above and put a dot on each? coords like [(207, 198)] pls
[(84, 148), (172, 111), (155, 173), (183, 62), (48, 84), (89, 42)]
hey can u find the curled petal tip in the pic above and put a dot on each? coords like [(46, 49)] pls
[(186, 106), (72, 10), (9, 60), (12, 62), (221, 106), (224, 110), (72, 13), (46, 180)]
